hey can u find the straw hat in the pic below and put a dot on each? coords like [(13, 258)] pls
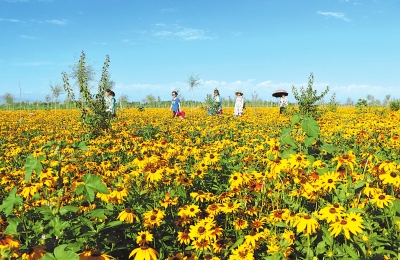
[(237, 92)]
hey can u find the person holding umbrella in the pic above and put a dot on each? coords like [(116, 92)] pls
[(283, 102)]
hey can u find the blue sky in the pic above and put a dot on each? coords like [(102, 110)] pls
[(249, 45)]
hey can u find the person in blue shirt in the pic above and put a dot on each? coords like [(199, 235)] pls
[(176, 104)]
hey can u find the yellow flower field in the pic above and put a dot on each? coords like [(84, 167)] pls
[(261, 186)]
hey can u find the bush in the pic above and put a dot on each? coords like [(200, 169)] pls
[(308, 98), (395, 105)]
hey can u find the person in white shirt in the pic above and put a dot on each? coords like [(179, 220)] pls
[(283, 103)]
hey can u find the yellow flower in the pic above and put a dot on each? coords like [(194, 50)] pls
[(94, 255), (240, 224), (144, 237), (382, 200), (144, 253), (242, 252), (331, 213), (328, 181), (391, 178), (306, 223), (6, 241), (34, 253), (127, 215)]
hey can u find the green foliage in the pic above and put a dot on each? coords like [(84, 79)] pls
[(93, 107), (211, 106), (8, 204), (92, 183), (308, 97), (333, 104), (394, 105), (361, 103)]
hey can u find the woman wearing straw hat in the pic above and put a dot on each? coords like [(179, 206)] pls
[(239, 103)]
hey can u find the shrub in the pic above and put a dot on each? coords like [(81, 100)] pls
[(395, 105), (308, 98)]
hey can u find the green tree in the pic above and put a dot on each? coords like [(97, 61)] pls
[(308, 98), (93, 107), (8, 99), (56, 91)]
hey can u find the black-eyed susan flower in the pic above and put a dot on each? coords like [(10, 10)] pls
[(382, 200), (306, 223), (183, 237), (331, 213), (144, 237), (243, 251), (230, 207), (34, 253), (328, 181), (127, 215), (240, 224), (144, 253), (178, 256), (8, 242), (201, 244), (94, 254)]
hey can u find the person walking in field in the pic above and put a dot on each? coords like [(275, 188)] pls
[(283, 103), (216, 105), (239, 104), (176, 104), (111, 103)]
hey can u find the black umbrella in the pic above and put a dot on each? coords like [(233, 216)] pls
[(280, 93)]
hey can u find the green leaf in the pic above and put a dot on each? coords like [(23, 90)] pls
[(327, 147), (61, 254), (310, 126), (396, 204), (295, 119), (286, 131), (113, 224), (286, 153), (143, 191), (64, 210), (8, 204), (351, 252), (93, 183), (327, 236), (48, 256), (288, 140), (31, 164), (237, 243), (359, 184), (309, 140), (82, 146), (281, 224), (12, 226)]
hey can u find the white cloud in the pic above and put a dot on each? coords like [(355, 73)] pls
[(183, 33), (173, 9), (9, 20), (28, 37), (335, 15), (57, 22)]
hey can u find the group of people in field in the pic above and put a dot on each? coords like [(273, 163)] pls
[(178, 112), (217, 104)]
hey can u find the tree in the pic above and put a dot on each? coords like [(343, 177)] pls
[(150, 99), (56, 90), (8, 99), (94, 116), (349, 102), (123, 100), (308, 98), (193, 81)]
